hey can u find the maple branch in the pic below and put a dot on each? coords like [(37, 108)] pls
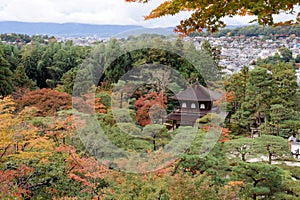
[(26, 144), (4, 151), (39, 184)]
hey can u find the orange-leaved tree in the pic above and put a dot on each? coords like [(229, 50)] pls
[(18, 138), (150, 106), (7, 107), (88, 103), (20, 144), (47, 101), (10, 189), (210, 14), (224, 135), (85, 170)]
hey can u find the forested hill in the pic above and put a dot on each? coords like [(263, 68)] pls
[(255, 30), (73, 29)]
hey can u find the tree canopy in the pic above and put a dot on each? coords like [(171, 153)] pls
[(209, 14), (112, 143)]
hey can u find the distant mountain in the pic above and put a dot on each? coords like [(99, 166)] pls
[(231, 26), (77, 29), (139, 31)]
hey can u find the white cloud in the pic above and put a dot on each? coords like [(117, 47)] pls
[(84, 11), (92, 11)]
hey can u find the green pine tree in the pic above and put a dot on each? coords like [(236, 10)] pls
[(6, 85), (20, 79)]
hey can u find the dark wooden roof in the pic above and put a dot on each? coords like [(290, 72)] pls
[(197, 92)]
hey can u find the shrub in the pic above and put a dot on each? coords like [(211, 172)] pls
[(47, 101)]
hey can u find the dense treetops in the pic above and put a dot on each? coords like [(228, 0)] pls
[(24, 39), (44, 154)]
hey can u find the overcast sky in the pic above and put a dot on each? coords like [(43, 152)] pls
[(92, 12)]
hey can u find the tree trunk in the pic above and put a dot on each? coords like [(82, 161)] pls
[(269, 154), (154, 143), (4, 151), (259, 119), (121, 100), (270, 158), (243, 157)]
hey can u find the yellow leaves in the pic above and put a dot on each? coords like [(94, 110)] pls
[(44, 161), (7, 105), (5, 135), (235, 183), (6, 124), (41, 143), (27, 145), (175, 6), (27, 155), (243, 12), (166, 8), (18, 138), (27, 113)]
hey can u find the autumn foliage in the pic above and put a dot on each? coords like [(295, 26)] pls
[(227, 97), (209, 14), (25, 150), (151, 104), (19, 139), (47, 101), (11, 182), (85, 170), (224, 135), (89, 104)]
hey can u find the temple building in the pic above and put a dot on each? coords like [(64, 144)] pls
[(195, 102)]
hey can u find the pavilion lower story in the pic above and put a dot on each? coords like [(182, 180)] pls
[(180, 118)]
